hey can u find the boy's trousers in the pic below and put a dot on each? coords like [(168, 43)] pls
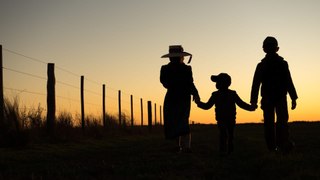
[(226, 134), (276, 133)]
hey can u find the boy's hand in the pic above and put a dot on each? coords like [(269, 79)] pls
[(293, 104), (196, 99), (254, 106)]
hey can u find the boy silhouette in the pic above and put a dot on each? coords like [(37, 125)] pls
[(273, 75), (225, 101)]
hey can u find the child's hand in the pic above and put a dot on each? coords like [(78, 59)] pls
[(196, 99), (253, 107), (293, 104)]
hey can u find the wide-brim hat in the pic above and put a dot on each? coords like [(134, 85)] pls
[(177, 51)]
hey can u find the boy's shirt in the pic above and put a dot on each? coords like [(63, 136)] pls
[(225, 102), (273, 74)]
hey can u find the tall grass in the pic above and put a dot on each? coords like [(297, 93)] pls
[(22, 125), (12, 133), (32, 118)]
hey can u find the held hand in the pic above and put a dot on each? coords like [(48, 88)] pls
[(196, 99), (254, 106), (293, 104)]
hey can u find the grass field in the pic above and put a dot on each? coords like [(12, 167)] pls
[(139, 154)]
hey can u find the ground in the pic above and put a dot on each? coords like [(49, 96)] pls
[(140, 154)]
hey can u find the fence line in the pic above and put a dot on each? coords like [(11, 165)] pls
[(42, 94), (59, 82), (56, 67), (103, 94)]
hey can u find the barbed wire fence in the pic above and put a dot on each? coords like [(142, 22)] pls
[(63, 89)]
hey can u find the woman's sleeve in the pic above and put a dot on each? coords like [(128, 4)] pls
[(193, 88), (164, 77)]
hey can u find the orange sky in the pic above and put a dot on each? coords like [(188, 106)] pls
[(119, 43)]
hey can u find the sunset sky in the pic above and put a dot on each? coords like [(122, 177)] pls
[(119, 43)]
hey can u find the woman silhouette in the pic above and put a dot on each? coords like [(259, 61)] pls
[(177, 78)]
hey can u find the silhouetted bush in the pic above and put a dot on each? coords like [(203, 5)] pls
[(64, 120), (21, 126), (12, 133)]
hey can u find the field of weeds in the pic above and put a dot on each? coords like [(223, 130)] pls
[(137, 153), (28, 151)]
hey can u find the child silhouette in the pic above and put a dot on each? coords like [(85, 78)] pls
[(225, 101), (273, 75)]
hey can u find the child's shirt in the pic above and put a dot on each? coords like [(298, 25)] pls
[(273, 75), (225, 102)]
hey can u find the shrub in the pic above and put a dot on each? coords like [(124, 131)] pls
[(64, 120), (35, 117), (12, 133)]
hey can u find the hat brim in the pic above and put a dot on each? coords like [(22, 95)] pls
[(221, 78), (180, 54), (214, 78)]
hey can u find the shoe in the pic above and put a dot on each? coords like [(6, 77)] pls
[(184, 150), (187, 150), (223, 153), (288, 147)]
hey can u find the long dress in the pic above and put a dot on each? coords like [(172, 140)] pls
[(177, 79)]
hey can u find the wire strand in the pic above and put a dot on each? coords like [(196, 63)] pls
[(25, 73), (72, 73), (28, 57), (26, 91), (70, 99), (66, 84)]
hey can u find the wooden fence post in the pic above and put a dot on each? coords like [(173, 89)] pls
[(1, 88), (149, 115), (160, 115), (155, 114), (131, 100), (119, 103), (82, 102), (51, 100), (141, 104), (104, 105)]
